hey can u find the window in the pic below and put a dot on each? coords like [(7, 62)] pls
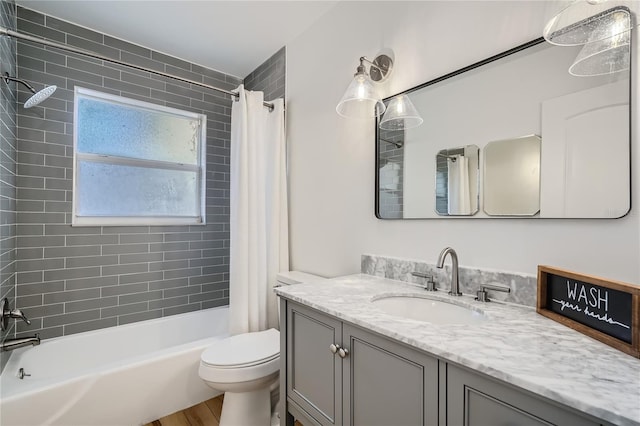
[(136, 163)]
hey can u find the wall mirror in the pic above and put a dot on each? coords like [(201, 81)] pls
[(582, 124)]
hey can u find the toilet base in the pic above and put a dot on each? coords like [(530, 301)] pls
[(275, 415), (246, 408)]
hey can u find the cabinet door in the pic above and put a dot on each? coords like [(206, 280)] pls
[(314, 373), (386, 383), (475, 400)]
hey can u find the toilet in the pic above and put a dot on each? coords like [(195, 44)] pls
[(245, 367)]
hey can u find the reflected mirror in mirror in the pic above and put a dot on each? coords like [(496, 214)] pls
[(512, 177), (457, 181), (525, 91)]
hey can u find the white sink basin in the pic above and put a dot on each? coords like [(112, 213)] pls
[(428, 310)]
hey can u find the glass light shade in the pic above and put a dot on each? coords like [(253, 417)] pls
[(587, 21), (361, 99), (401, 114), (603, 57)]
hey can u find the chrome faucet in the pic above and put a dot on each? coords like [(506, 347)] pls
[(430, 285), (482, 293), (6, 312), (11, 344), (455, 284)]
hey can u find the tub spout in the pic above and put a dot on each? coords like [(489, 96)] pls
[(11, 344)]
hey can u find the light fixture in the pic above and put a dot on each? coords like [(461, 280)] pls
[(37, 96), (602, 26), (588, 21), (361, 99), (400, 114), (606, 56)]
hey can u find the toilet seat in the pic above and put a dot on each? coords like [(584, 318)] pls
[(242, 358), (248, 364), (243, 350)]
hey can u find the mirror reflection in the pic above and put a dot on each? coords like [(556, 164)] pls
[(512, 177), (580, 121), (457, 181)]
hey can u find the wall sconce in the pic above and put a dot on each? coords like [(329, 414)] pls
[(603, 26), (587, 21), (606, 56), (361, 99), (400, 114)]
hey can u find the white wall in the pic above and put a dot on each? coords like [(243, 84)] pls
[(331, 159)]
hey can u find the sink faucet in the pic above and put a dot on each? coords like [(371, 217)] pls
[(455, 285), (482, 293)]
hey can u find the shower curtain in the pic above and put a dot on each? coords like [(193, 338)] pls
[(459, 195), (259, 223)]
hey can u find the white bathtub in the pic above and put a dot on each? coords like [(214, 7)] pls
[(127, 375)]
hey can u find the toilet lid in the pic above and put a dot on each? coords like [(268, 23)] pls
[(244, 349)]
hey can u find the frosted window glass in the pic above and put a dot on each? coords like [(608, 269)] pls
[(109, 128), (137, 162), (117, 190)]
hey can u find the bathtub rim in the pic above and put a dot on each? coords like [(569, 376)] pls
[(129, 325)]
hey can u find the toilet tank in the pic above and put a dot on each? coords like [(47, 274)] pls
[(295, 277)]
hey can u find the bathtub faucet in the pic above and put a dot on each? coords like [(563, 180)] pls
[(11, 344), (7, 313)]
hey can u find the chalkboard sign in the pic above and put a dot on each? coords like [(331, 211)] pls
[(606, 310)]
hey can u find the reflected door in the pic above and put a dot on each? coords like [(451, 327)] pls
[(585, 164)]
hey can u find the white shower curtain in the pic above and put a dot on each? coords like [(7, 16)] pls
[(459, 195), (259, 222)]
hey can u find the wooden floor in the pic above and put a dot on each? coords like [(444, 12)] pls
[(204, 414)]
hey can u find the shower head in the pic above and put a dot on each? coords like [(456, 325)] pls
[(37, 96), (40, 96)]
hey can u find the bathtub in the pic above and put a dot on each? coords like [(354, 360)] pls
[(126, 375)]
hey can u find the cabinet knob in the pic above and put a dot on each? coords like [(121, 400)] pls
[(334, 348), (343, 353)]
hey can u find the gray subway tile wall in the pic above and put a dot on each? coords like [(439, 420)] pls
[(269, 77), (391, 182), (8, 156), (442, 185), (75, 279)]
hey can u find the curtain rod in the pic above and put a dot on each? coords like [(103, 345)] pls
[(15, 34)]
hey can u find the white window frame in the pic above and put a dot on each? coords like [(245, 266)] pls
[(200, 168)]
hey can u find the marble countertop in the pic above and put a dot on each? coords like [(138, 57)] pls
[(515, 345)]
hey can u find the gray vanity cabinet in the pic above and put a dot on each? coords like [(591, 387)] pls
[(368, 381), (476, 400), (386, 383), (340, 374), (314, 373)]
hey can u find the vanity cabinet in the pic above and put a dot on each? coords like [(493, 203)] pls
[(369, 380), (314, 373), (338, 374), (476, 400)]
